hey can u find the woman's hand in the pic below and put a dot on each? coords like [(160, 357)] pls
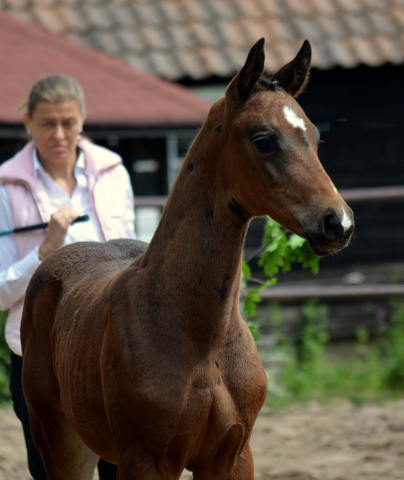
[(59, 223)]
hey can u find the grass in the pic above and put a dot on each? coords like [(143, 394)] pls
[(374, 370), (355, 380)]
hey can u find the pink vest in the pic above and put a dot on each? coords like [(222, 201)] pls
[(30, 205)]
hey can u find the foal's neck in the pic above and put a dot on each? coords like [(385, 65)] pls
[(197, 248)]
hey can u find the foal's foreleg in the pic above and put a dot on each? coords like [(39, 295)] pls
[(136, 463), (64, 454), (244, 468), (222, 468)]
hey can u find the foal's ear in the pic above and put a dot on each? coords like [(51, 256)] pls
[(244, 82), (294, 75)]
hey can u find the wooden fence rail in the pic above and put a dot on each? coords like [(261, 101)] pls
[(331, 292)]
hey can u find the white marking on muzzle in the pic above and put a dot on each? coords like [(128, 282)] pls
[(346, 221), (293, 118)]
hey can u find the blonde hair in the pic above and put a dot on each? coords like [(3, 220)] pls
[(55, 89)]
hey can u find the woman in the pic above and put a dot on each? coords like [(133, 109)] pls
[(55, 178)]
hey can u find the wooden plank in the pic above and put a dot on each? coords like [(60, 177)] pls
[(331, 292)]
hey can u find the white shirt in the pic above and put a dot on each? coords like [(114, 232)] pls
[(15, 273)]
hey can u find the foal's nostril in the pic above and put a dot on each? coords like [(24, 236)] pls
[(332, 227)]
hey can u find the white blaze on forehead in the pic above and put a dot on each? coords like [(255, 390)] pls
[(293, 118), (346, 222)]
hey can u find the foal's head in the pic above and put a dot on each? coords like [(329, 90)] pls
[(268, 148)]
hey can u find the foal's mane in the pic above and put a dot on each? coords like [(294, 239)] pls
[(266, 82)]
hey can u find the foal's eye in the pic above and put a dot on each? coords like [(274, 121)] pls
[(264, 144)]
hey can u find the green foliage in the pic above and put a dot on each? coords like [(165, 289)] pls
[(283, 249), (4, 361), (280, 251), (374, 369), (391, 348), (313, 336), (253, 329)]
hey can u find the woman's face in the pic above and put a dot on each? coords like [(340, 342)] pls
[(55, 128)]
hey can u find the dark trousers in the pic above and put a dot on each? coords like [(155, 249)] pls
[(106, 471)]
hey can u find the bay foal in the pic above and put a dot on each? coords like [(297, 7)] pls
[(137, 353)]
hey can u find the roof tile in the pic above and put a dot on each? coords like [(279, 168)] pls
[(282, 51), (122, 16), (81, 20), (15, 4), (157, 38), (365, 48), (232, 34), (25, 16), (340, 52), (54, 18), (360, 24), (149, 13), (308, 28), (197, 10), (45, 3), (215, 63), (350, 6), (110, 43), (194, 62), (383, 23), (184, 37), (379, 4), (280, 31), (94, 3), (134, 41), (335, 27), (260, 9), (228, 8), (299, 8), (255, 32), (68, 3), (141, 63), (398, 15), (92, 37), (207, 35), (325, 7), (175, 12), (99, 17), (165, 65), (391, 48)]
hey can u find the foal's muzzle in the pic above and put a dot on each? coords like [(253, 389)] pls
[(330, 233)]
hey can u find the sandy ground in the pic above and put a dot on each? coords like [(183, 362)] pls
[(336, 441)]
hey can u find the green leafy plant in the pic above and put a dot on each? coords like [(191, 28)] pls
[(372, 371), (283, 249), (280, 251), (313, 336), (391, 349), (300, 377)]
